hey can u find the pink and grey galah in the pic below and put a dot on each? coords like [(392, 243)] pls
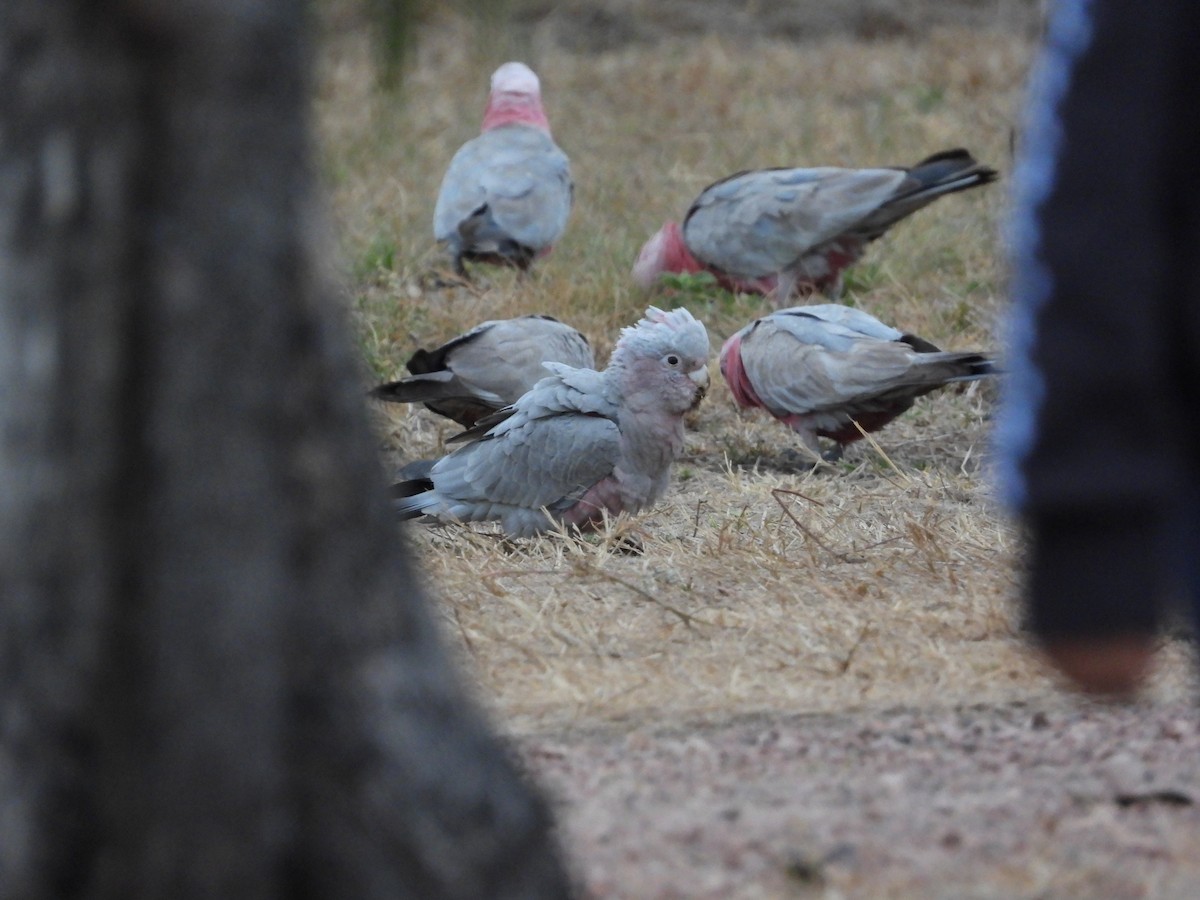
[(488, 367), (821, 369), (582, 444), (507, 194), (792, 232)]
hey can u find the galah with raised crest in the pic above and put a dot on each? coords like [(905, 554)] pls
[(792, 232), (506, 195), (821, 369), (582, 444), (487, 368)]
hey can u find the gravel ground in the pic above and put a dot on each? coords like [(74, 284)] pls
[(1069, 800)]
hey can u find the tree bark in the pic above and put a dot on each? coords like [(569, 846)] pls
[(216, 675)]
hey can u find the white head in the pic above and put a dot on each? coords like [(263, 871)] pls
[(515, 78), (666, 354)]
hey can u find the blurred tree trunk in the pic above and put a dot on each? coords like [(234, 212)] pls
[(216, 675)]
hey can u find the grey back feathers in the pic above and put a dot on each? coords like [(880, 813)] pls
[(505, 197), (767, 221), (822, 368), (487, 368)]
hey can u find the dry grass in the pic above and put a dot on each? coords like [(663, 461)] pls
[(763, 586)]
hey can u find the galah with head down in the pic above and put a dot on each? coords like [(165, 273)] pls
[(820, 369), (507, 194), (788, 232), (582, 444), (488, 367)]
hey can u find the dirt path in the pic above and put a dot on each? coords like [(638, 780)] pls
[(1015, 801)]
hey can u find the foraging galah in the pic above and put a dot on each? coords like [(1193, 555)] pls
[(581, 444), (793, 231), (819, 369), (506, 196), (488, 367)]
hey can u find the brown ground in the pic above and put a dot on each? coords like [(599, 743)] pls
[(811, 684), (1020, 800)]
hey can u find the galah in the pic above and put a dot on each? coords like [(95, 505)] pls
[(790, 232), (507, 194), (820, 369), (488, 367), (582, 443)]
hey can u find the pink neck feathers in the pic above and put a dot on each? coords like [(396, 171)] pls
[(512, 108), (735, 374), (676, 256)]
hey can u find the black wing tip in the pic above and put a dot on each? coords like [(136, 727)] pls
[(977, 365), (422, 362), (419, 470), (963, 163), (386, 392), (985, 365), (919, 343), (985, 175), (960, 155), (403, 391), (410, 487)]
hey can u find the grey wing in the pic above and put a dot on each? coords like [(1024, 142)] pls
[(508, 359), (560, 342), (439, 389), (540, 462), (564, 390), (529, 188), (435, 381), (792, 375), (839, 318), (462, 191), (758, 223)]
